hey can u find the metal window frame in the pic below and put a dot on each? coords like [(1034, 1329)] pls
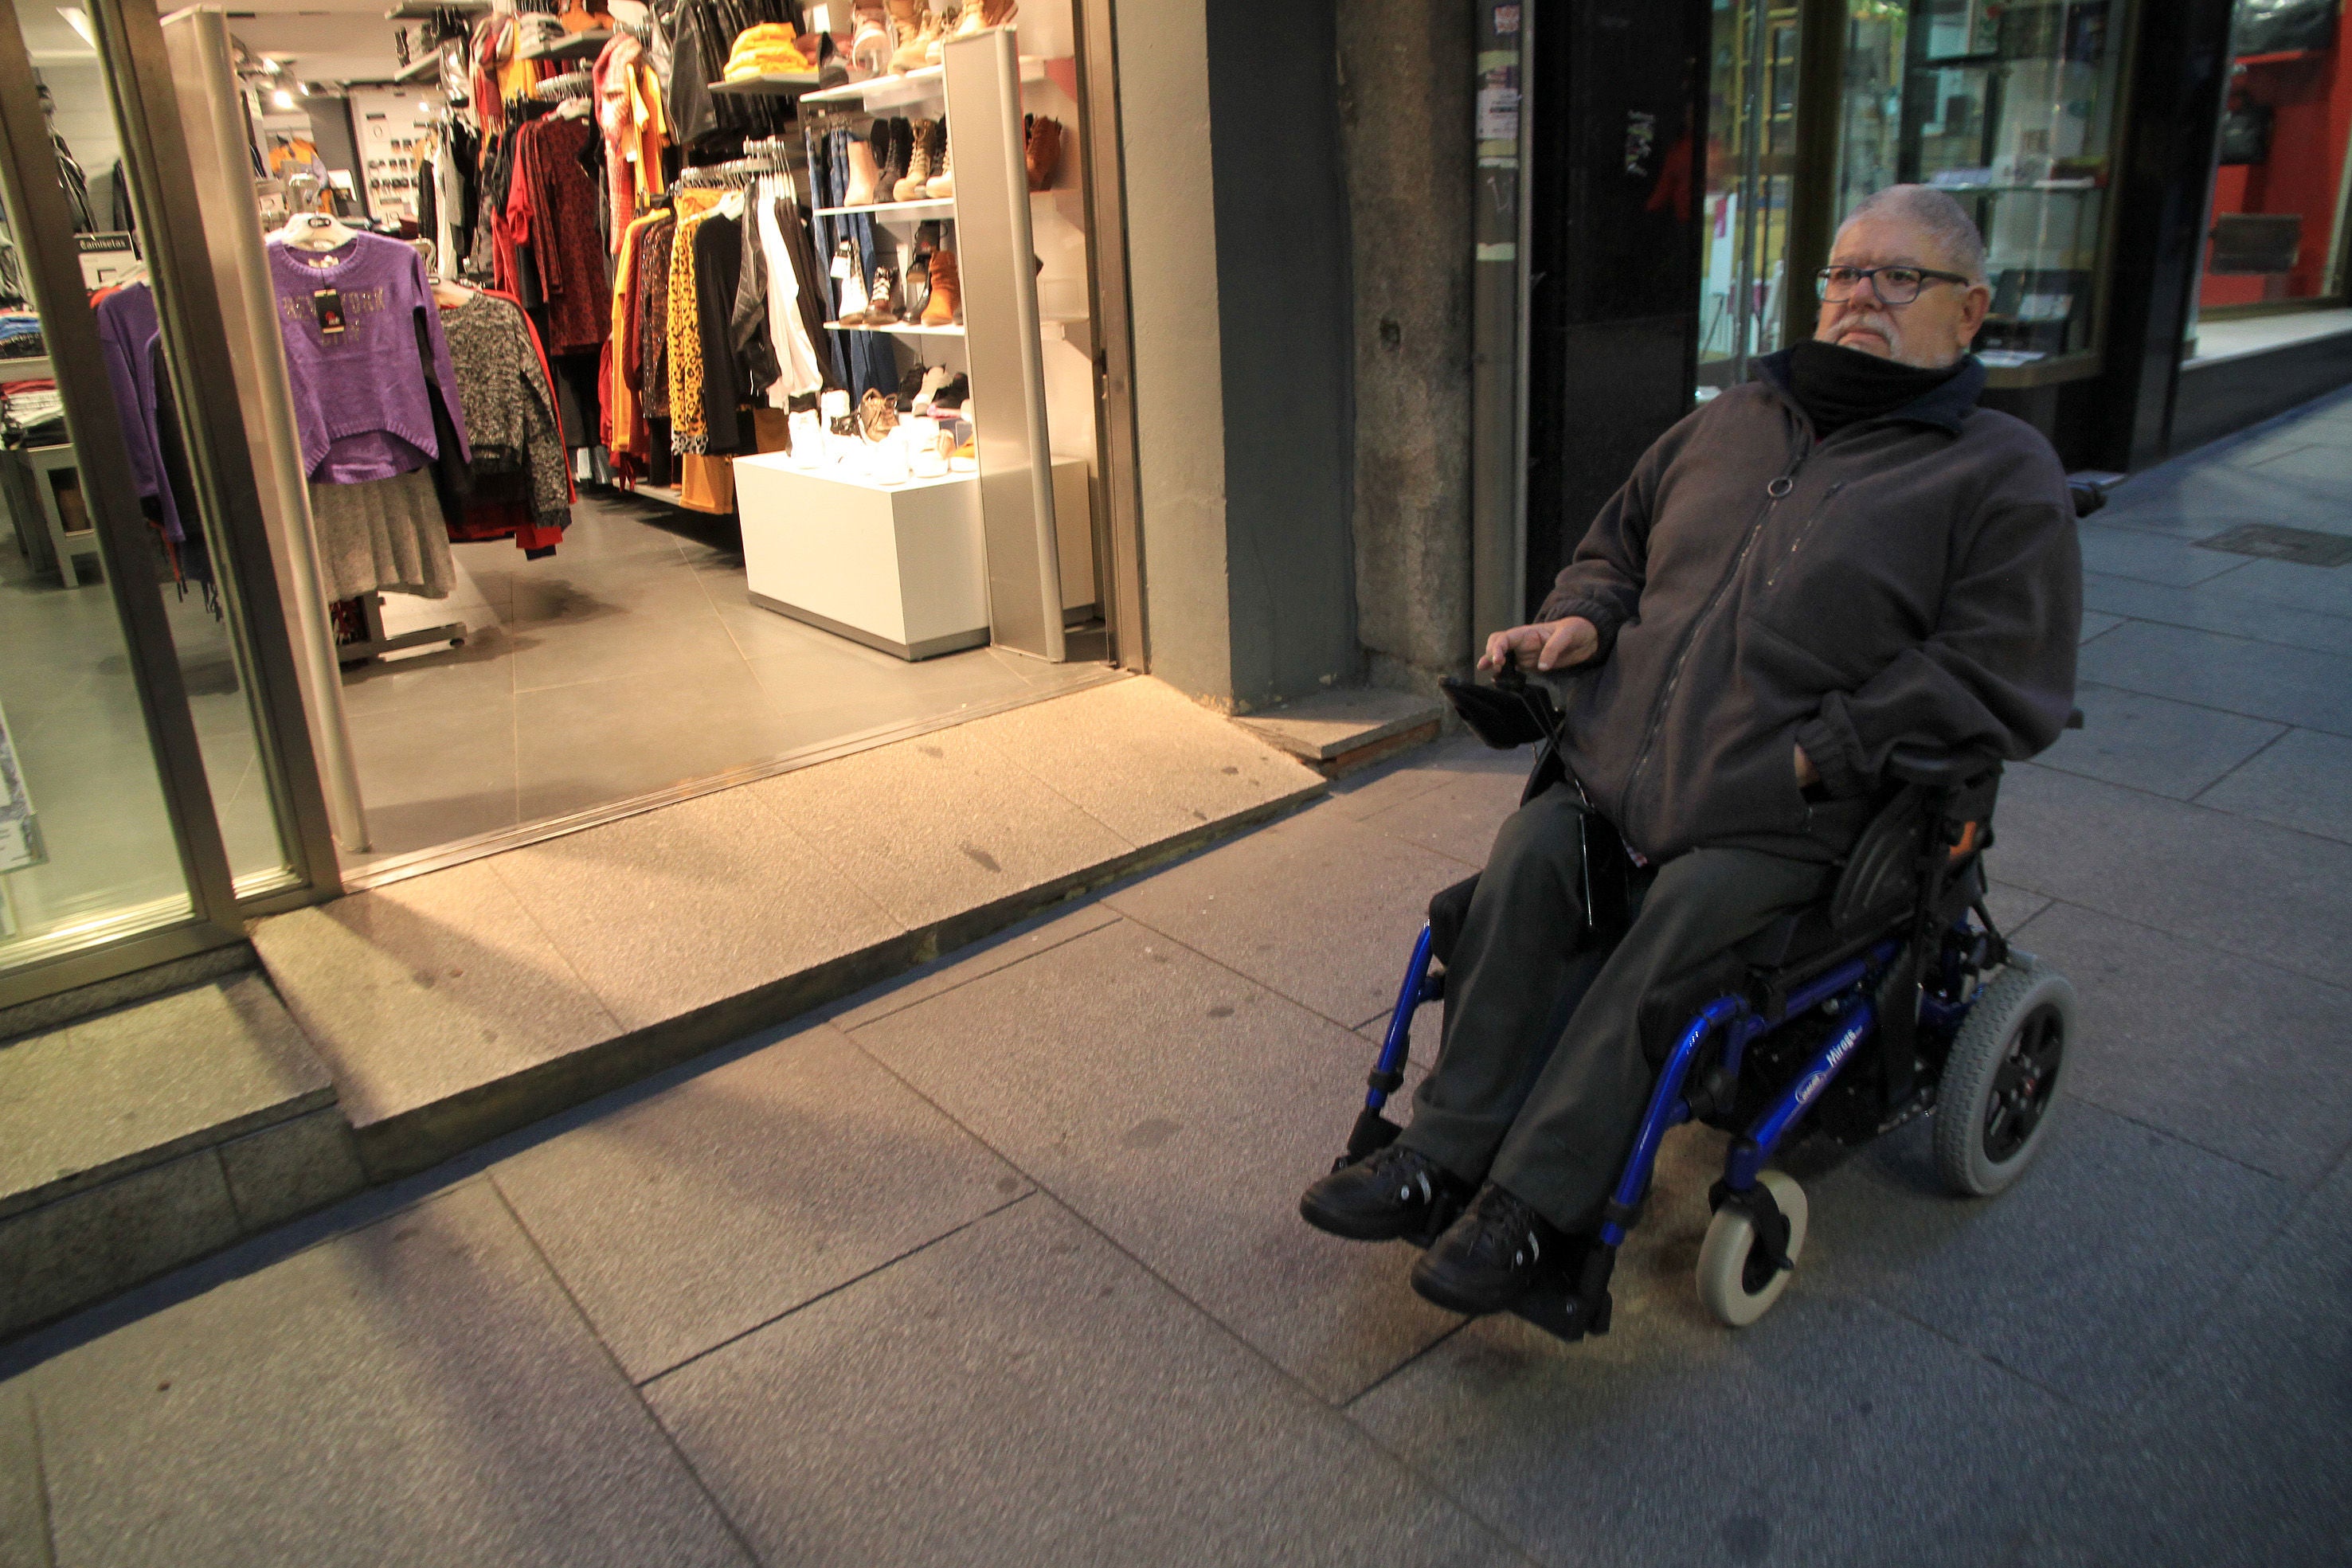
[(1119, 537), (147, 114), (53, 275)]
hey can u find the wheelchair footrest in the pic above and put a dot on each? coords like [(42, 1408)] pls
[(1557, 1308)]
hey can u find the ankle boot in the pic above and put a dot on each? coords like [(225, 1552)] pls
[(863, 170), (916, 52), (883, 308), (997, 12), (919, 167), (946, 307), (890, 139), (941, 185), (854, 295), (968, 23), (1044, 152)]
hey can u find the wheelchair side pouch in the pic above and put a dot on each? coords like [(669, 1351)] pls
[(1503, 719)]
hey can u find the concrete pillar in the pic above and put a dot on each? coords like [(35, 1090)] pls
[(1405, 107)]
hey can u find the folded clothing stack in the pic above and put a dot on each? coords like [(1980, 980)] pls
[(20, 336), (33, 413), (766, 49)]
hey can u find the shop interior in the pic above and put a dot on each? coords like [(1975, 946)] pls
[(685, 476), (2274, 264)]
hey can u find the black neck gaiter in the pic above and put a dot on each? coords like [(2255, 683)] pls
[(1836, 386)]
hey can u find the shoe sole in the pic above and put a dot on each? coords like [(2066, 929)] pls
[(1438, 1291), (1352, 1230)]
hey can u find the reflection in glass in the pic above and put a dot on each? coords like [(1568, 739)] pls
[(86, 849), (184, 538), (1750, 167)]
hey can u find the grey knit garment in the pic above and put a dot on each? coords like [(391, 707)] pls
[(383, 534), (509, 413)]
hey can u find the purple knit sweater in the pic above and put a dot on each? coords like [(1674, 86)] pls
[(360, 397)]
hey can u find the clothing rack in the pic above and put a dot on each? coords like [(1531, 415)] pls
[(570, 84), (703, 176)]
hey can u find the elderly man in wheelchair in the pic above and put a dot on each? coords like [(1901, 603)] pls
[(1745, 885)]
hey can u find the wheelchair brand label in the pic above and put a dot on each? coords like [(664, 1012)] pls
[(1811, 1087)]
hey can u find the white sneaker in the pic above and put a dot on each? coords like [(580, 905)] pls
[(934, 379)]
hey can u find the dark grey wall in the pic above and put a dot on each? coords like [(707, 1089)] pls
[(1284, 325)]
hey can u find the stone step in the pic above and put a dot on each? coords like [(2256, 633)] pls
[(1336, 732), (137, 1140), (455, 1006)]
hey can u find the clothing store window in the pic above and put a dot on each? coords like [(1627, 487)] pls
[(2277, 241), (625, 362), (2011, 106), (1750, 175)]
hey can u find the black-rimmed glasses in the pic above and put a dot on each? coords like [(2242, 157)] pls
[(1893, 285)]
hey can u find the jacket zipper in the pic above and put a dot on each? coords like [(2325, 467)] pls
[(1774, 493), (1804, 534)]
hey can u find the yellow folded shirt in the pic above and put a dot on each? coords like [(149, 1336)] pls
[(766, 33), (766, 62)]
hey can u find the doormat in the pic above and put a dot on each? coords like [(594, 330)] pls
[(2303, 546)]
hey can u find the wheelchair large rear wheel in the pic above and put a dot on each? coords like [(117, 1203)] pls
[(1736, 1282), (2000, 1083)]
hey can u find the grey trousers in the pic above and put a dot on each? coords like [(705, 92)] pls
[(1542, 1077)]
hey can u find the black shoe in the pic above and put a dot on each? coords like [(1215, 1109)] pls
[(1488, 1258), (1390, 1194)]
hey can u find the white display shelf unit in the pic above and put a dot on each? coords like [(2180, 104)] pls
[(923, 83), (935, 207), (899, 329), (570, 47)]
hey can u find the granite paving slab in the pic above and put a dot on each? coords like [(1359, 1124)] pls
[(1032, 936), (2304, 782), (140, 1084), (986, 829), (1022, 1394), (2151, 558), (1319, 908), (1181, 1110), (426, 989), (1144, 760), (1331, 723), (672, 910), (1832, 1431), (2323, 590), (2155, 744), (686, 1219), (2212, 610), (2244, 1454), (418, 1392), (24, 1510), (2265, 680), (2242, 886), (2088, 1276), (1419, 772), (2222, 1052), (1458, 819)]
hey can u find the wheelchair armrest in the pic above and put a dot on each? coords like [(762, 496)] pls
[(1937, 770)]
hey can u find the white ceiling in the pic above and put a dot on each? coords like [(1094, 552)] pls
[(325, 40)]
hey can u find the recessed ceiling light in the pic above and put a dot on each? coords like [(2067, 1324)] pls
[(282, 99)]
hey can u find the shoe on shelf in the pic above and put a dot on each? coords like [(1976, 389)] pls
[(870, 49), (877, 416), (855, 294), (955, 394), (941, 185), (946, 306), (883, 307), (966, 25), (864, 167), (1043, 153), (917, 285), (965, 461), (831, 72), (934, 379), (1488, 1258), (916, 52), (910, 387), (998, 13), (1394, 1192), (901, 148), (919, 167)]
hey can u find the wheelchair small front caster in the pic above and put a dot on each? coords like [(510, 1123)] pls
[(1737, 1277)]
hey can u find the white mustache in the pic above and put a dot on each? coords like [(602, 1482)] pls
[(1882, 325)]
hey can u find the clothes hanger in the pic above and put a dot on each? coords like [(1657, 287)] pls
[(315, 231)]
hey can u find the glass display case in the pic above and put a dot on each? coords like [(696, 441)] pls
[(2011, 106)]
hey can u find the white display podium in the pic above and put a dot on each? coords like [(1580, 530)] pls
[(901, 568)]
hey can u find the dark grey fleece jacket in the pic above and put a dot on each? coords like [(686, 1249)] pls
[(1914, 579)]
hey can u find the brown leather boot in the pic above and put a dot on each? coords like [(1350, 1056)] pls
[(1044, 154), (946, 307)]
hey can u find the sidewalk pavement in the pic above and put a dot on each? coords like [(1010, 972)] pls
[(999, 1264)]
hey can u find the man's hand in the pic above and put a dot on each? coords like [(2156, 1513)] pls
[(1807, 774), (1547, 645)]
